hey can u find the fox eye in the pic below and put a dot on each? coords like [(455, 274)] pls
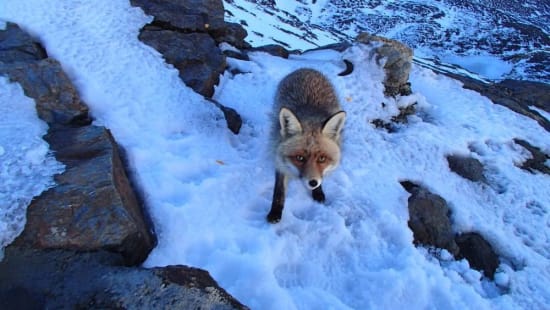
[(300, 158), (321, 159)]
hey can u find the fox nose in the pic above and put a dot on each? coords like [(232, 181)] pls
[(313, 183)]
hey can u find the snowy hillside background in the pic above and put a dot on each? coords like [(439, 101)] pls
[(497, 39), (208, 191)]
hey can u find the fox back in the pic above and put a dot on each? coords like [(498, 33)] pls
[(306, 134)]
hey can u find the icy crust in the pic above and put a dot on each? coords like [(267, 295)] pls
[(26, 164)]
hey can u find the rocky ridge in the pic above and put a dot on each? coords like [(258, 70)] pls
[(94, 222)]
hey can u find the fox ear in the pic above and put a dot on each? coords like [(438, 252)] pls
[(333, 126), (290, 125)]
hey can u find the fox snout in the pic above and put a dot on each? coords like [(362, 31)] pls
[(313, 184)]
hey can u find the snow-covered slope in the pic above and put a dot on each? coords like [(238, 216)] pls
[(497, 39), (208, 191)]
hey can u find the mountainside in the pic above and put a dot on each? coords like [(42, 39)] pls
[(502, 39)]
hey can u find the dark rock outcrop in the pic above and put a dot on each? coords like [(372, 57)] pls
[(80, 233), (63, 279), (199, 61), (93, 205), (517, 96), (429, 219), (186, 15), (538, 159), (431, 226), (397, 65), (478, 252), (186, 33), (467, 167)]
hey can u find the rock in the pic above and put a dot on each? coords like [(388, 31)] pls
[(25, 61), (478, 252), (233, 34), (397, 62), (185, 15), (63, 279), (467, 167), (196, 56), (93, 206), (57, 101), (232, 118), (517, 96), (18, 46), (272, 49), (429, 219), (538, 159)]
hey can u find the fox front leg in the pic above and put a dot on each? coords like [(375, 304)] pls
[(318, 194), (279, 192)]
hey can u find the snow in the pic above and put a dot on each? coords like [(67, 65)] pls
[(208, 191), (26, 164), (488, 66)]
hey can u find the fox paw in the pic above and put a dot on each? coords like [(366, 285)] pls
[(273, 217)]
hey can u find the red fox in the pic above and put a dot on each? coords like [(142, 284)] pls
[(306, 136)]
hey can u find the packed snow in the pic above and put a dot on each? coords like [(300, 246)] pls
[(208, 191)]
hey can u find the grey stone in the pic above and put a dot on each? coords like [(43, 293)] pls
[(57, 100), (397, 65), (467, 167), (478, 252), (64, 279), (185, 15), (429, 219), (196, 56), (93, 206), (18, 46)]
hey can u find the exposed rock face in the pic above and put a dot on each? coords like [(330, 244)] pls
[(517, 96), (62, 279), (80, 233), (478, 252), (429, 220), (431, 226), (187, 15), (93, 205), (467, 167), (538, 159), (187, 32), (397, 65), (196, 56)]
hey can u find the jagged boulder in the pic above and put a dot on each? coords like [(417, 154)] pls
[(186, 33), (19, 46), (397, 63), (538, 159), (79, 233), (429, 219), (478, 252), (467, 167), (196, 56), (63, 279), (187, 15), (518, 96), (93, 205), (45, 81)]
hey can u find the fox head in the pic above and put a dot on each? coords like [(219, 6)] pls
[(308, 151)]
